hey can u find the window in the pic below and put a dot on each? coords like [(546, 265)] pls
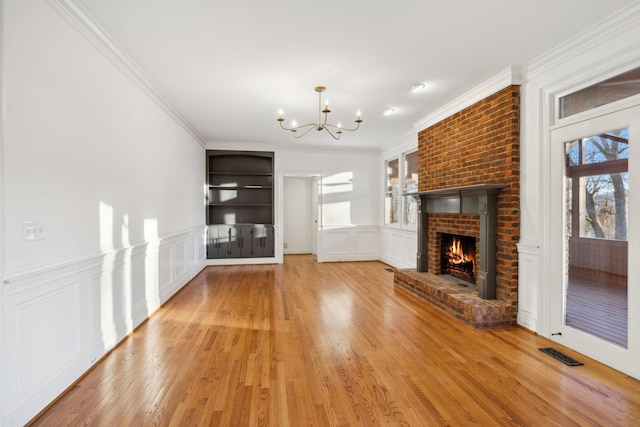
[(399, 204), (606, 92), (392, 193), (598, 186), (410, 210)]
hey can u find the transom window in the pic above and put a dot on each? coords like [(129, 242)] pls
[(602, 93)]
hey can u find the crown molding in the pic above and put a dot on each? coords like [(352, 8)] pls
[(82, 21), (289, 147), (506, 78), (588, 40)]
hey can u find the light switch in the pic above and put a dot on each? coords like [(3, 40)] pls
[(32, 231)]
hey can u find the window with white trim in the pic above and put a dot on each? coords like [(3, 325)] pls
[(392, 193), (401, 209), (602, 93)]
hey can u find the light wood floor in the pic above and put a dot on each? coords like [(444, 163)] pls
[(334, 344)]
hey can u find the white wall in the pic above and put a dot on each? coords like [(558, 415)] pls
[(116, 180), (350, 199), (297, 215)]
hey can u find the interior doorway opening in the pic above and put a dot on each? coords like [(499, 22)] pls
[(300, 214)]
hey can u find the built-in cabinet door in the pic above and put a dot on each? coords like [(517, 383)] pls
[(240, 241), (218, 241), (268, 242), (214, 243), (235, 242), (262, 243)]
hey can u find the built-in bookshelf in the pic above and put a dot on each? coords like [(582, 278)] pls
[(240, 204)]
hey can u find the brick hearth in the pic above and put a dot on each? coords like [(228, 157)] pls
[(457, 300)]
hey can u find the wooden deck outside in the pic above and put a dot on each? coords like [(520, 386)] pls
[(333, 344), (599, 309)]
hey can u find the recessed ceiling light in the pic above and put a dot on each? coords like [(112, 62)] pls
[(388, 111), (416, 87)]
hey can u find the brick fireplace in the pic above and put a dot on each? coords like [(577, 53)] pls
[(469, 185)]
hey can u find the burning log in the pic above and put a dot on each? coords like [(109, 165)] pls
[(459, 262)]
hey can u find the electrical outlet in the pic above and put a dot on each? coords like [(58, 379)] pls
[(32, 230), (285, 246)]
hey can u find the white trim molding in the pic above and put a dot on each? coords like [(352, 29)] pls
[(350, 243), (528, 279), (508, 77), (399, 247), (610, 29)]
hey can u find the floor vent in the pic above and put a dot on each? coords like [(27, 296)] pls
[(561, 356), (390, 270)]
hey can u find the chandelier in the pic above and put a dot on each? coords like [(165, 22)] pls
[(334, 130)]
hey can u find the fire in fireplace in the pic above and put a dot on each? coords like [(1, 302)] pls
[(458, 257)]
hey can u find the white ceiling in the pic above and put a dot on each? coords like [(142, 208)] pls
[(229, 66)]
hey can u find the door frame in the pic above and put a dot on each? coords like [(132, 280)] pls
[(315, 178), (614, 117)]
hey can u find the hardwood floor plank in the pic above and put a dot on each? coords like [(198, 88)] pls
[(334, 344)]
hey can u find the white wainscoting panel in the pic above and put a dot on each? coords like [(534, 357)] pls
[(528, 286), (398, 247), (350, 243), (60, 320), (59, 338)]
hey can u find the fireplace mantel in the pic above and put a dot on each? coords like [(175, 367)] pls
[(457, 199), (474, 199)]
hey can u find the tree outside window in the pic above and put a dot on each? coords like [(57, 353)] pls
[(598, 186)]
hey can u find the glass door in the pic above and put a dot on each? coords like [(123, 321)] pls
[(594, 304)]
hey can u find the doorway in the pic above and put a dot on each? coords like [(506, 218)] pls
[(300, 214), (594, 295)]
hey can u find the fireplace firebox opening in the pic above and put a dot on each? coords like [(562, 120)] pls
[(458, 259)]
